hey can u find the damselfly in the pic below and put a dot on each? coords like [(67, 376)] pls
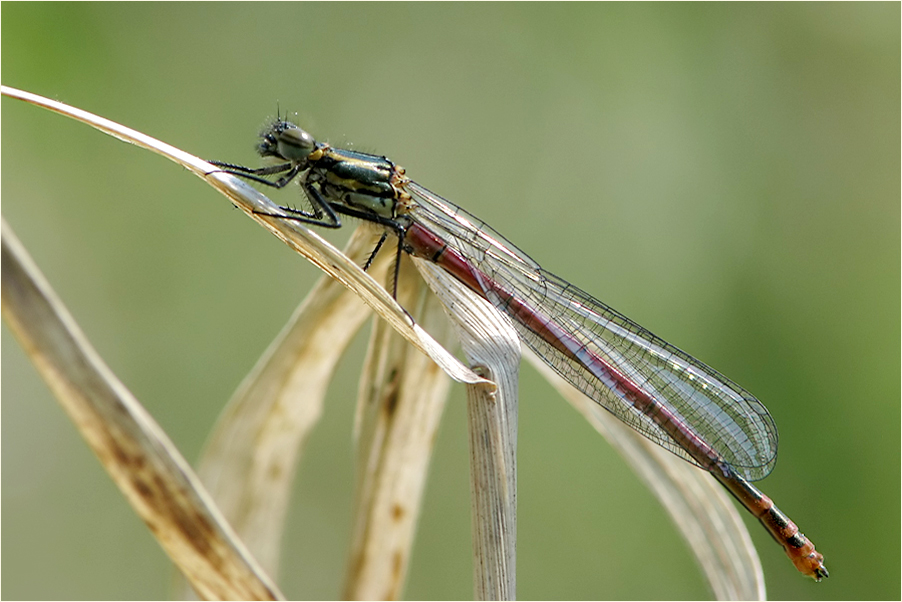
[(667, 395)]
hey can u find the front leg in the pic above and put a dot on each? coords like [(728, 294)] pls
[(255, 174)]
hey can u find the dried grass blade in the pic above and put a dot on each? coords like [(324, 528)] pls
[(490, 342), (249, 462), (137, 454), (401, 400)]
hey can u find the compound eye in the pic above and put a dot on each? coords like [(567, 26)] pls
[(293, 143)]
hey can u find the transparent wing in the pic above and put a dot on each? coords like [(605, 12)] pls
[(719, 412)]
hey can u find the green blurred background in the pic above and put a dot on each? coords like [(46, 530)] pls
[(726, 175)]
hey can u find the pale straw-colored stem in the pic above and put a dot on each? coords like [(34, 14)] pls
[(489, 342), (249, 461), (401, 400), (134, 450)]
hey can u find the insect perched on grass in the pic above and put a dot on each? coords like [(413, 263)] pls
[(660, 391)]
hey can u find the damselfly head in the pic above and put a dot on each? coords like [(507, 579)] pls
[(287, 141)]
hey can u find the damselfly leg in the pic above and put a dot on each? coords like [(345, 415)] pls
[(324, 213)]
